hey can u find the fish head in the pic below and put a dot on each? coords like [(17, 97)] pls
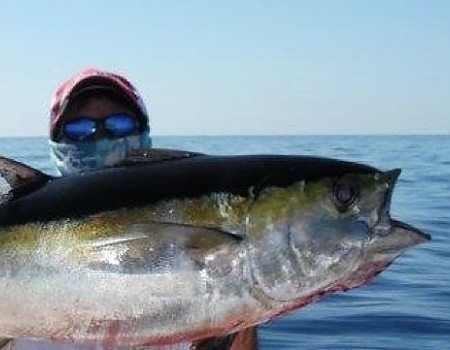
[(331, 233)]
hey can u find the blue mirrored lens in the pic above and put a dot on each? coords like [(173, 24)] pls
[(119, 125), (79, 129)]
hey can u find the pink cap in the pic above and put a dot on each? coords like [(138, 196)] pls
[(94, 79)]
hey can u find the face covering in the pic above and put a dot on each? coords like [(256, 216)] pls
[(85, 156)]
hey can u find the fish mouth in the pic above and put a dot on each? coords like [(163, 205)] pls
[(382, 250), (401, 236), (393, 236)]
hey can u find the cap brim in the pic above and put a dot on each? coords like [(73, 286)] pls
[(100, 84), (93, 84)]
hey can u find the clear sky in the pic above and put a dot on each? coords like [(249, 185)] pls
[(238, 67)]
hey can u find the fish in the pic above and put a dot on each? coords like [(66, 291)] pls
[(174, 246)]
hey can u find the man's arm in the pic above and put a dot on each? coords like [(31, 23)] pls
[(244, 340), (5, 343)]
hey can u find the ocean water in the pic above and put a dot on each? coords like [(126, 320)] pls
[(408, 305)]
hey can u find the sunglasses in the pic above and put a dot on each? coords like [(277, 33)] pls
[(114, 125)]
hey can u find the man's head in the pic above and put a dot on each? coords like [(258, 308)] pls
[(96, 119)]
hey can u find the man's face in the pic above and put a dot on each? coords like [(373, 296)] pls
[(96, 108)]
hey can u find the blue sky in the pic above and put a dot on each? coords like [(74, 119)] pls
[(238, 67)]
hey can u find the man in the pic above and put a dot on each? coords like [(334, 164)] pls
[(97, 119)]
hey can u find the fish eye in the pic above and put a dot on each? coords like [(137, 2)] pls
[(345, 193)]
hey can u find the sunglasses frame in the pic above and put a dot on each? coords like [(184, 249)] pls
[(99, 125)]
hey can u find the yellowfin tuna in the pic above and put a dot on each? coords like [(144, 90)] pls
[(189, 246)]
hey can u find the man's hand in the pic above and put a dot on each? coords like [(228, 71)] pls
[(244, 340)]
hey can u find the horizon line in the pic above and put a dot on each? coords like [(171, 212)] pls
[(255, 135)]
